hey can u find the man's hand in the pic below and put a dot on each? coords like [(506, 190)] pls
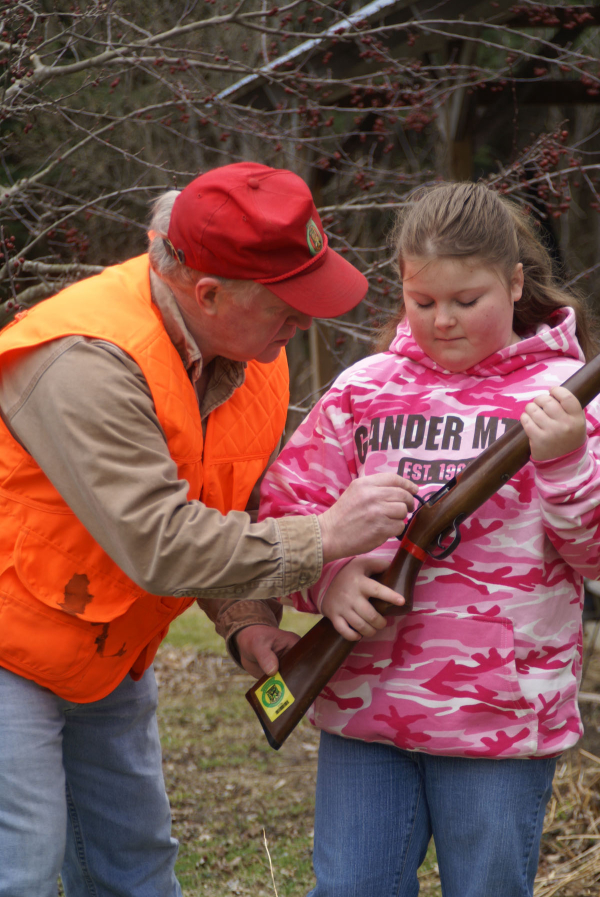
[(346, 601), (259, 647), (367, 514), (554, 423)]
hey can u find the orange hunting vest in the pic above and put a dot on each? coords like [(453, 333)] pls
[(70, 619)]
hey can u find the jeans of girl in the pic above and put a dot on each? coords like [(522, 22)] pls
[(377, 808), (82, 793)]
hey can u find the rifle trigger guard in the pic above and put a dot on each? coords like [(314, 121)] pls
[(455, 532)]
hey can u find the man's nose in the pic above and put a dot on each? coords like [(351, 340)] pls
[(301, 320)]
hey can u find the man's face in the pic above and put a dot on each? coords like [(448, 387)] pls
[(252, 326)]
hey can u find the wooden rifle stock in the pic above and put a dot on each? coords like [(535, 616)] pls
[(281, 701)]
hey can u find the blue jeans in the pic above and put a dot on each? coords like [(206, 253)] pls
[(377, 808), (82, 794)]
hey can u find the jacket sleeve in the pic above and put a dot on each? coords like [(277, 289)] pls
[(84, 411), (313, 470), (231, 616), (569, 492)]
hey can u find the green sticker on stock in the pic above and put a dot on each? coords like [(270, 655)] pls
[(274, 697)]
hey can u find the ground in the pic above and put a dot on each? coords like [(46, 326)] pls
[(237, 804)]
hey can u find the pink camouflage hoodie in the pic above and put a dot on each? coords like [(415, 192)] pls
[(488, 662)]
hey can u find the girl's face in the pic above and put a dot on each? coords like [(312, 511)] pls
[(459, 310)]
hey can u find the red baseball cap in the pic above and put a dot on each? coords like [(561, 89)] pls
[(250, 222)]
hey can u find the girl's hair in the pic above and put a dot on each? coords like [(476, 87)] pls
[(460, 220)]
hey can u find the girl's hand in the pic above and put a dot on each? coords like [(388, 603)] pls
[(554, 423), (346, 601)]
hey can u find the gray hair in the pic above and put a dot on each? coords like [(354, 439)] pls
[(169, 269)]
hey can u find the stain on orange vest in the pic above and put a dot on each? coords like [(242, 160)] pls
[(70, 619)]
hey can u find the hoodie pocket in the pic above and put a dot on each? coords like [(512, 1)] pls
[(451, 688)]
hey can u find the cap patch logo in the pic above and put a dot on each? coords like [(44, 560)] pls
[(314, 239)]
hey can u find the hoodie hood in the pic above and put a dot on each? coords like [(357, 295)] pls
[(549, 340)]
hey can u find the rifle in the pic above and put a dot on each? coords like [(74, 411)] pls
[(281, 701)]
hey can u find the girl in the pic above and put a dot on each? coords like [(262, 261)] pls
[(448, 721)]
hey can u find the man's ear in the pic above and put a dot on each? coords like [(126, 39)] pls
[(206, 293)]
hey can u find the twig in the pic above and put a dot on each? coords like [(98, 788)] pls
[(7, 265), (589, 756), (588, 697), (270, 863)]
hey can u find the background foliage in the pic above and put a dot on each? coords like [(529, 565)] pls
[(104, 104)]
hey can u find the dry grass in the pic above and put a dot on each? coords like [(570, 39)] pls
[(230, 791), (570, 856), (570, 860)]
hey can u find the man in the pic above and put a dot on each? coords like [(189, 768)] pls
[(140, 408)]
